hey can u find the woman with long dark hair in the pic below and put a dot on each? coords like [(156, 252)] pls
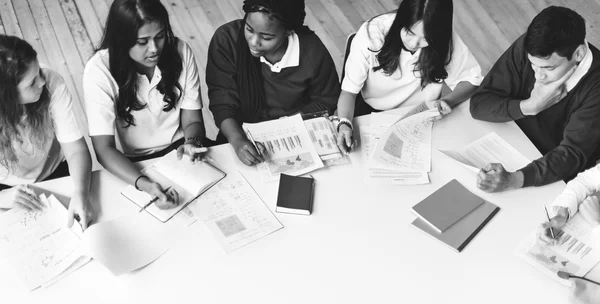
[(402, 58), (142, 87), (38, 131), (265, 66)]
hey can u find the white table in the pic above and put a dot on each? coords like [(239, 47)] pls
[(357, 247)]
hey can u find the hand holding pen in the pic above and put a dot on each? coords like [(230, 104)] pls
[(548, 231), (164, 199)]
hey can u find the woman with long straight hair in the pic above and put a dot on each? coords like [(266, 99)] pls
[(142, 91), (402, 59), (265, 66), (38, 131)]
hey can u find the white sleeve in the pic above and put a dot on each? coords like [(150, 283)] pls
[(463, 66), (100, 91), (189, 80), (357, 65), (61, 108), (582, 186)]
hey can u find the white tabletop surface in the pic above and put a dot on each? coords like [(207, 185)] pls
[(358, 246)]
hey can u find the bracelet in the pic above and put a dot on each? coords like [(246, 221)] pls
[(137, 179), (196, 140), (344, 121)]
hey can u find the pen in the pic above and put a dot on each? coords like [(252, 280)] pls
[(551, 230), (253, 142), (153, 200)]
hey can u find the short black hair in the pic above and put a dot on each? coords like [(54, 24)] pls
[(555, 29)]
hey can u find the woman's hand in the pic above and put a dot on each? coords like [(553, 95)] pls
[(344, 139), (247, 153), (439, 104), (556, 223), (590, 210), (81, 209), (164, 199), (21, 196), (193, 150)]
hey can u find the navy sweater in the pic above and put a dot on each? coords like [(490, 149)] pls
[(311, 86), (567, 133)]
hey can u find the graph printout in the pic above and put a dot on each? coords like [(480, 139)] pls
[(574, 252), (288, 146)]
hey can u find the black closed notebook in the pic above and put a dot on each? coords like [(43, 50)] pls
[(295, 194)]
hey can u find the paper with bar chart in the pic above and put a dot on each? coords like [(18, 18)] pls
[(288, 146), (574, 252)]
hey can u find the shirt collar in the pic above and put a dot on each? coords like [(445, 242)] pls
[(581, 70), (291, 58)]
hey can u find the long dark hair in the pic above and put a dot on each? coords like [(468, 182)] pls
[(16, 56), (437, 27), (124, 20), (249, 77)]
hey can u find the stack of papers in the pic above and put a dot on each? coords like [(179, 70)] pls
[(398, 151)]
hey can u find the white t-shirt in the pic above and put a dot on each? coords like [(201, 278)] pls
[(37, 163), (154, 129), (403, 87)]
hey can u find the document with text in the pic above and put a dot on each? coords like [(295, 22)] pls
[(37, 245), (234, 214), (488, 149), (406, 145), (288, 146)]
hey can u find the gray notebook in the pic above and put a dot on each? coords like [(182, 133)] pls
[(461, 233), (447, 205)]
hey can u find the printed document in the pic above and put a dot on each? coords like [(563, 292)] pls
[(37, 245), (406, 145), (324, 138), (575, 252), (234, 214), (288, 145), (488, 149)]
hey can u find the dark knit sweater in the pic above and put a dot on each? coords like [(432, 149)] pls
[(311, 86), (567, 133)]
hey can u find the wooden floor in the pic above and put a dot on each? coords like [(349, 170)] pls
[(65, 32)]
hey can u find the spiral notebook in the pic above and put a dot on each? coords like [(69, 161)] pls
[(189, 180)]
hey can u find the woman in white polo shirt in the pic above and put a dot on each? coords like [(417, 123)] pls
[(400, 59), (142, 87), (38, 131)]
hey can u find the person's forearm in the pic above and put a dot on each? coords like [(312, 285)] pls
[(116, 163), (80, 169), (193, 124), (346, 104), (461, 92), (231, 129)]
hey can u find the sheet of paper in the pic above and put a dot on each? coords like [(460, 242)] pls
[(374, 175), (576, 251), (489, 149), (234, 214), (406, 145), (289, 147), (127, 243), (37, 244)]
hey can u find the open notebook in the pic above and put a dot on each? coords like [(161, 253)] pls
[(189, 180)]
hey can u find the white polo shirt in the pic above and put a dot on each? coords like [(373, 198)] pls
[(154, 129), (403, 87), (36, 163), (291, 58)]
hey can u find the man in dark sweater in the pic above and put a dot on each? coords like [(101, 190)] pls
[(548, 82)]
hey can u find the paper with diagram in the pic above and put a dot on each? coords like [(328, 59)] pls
[(488, 149), (576, 251), (406, 145), (375, 175), (37, 245), (288, 146), (234, 214), (324, 138)]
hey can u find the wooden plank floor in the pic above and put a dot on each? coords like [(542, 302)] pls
[(65, 32)]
